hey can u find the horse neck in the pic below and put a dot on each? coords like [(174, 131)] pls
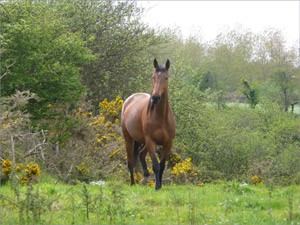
[(161, 109)]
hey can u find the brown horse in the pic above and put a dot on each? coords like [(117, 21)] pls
[(147, 121)]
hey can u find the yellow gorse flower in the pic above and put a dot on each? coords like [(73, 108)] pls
[(6, 166), (30, 173), (83, 169), (185, 168), (182, 167), (32, 169), (255, 180), (112, 109)]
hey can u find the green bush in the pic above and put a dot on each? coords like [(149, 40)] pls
[(235, 141)]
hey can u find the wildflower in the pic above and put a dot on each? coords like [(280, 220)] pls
[(200, 184), (255, 180), (138, 177), (151, 183), (184, 167), (19, 167), (6, 166), (82, 169), (32, 169), (25, 180)]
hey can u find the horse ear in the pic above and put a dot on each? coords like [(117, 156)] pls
[(155, 63), (168, 64)]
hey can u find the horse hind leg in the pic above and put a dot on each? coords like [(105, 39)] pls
[(129, 144), (136, 152)]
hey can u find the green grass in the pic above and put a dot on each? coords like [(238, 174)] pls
[(118, 203)]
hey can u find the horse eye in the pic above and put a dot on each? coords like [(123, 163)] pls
[(167, 78)]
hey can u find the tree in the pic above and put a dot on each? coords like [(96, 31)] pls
[(45, 56), (250, 93), (122, 45), (285, 82)]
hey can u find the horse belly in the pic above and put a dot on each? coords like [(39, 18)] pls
[(132, 116), (134, 127)]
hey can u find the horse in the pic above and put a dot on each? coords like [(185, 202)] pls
[(148, 121)]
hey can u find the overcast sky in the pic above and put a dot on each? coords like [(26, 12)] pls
[(210, 17)]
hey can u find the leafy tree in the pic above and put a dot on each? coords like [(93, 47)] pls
[(45, 55), (122, 45), (284, 81), (251, 93)]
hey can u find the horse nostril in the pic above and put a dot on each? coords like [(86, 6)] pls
[(155, 99)]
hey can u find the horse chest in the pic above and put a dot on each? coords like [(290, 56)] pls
[(157, 132), (159, 136)]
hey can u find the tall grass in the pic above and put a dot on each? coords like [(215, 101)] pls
[(118, 203)]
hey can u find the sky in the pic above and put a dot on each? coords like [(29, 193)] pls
[(208, 18)]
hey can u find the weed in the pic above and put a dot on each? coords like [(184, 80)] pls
[(86, 200), (176, 201), (192, 210), (290, 194), (115, 206)]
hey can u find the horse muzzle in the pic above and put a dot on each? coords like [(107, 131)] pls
[(155, 99)]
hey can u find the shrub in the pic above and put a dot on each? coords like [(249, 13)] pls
[(99, 143), (185, 172), (6, 166)]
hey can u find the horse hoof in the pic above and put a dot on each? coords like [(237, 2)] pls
[(157, 188)]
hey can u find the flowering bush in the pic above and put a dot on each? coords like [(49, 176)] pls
[(100, 143), (6, 166), (255, 180), (30, 173), (25, 174), (107, 123), (185, 171), (111, 110)]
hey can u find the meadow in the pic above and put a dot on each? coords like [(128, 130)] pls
[(112, 202), (65, 72)]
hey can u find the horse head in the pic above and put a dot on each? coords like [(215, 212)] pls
[(159, 81)]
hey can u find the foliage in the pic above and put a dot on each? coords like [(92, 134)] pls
[(185, 172), (97, 140), (229, 141), (121, 44), (64, 62), (250, 93), (25, 174), (46, 56), (18, 139)]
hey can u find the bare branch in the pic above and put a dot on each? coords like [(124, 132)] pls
[(33, 150), (7, 71)]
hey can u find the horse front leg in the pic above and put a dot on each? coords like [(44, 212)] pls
[(150, 145), (163, 157)]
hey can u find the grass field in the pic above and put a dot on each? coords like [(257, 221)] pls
[(118, 203)]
